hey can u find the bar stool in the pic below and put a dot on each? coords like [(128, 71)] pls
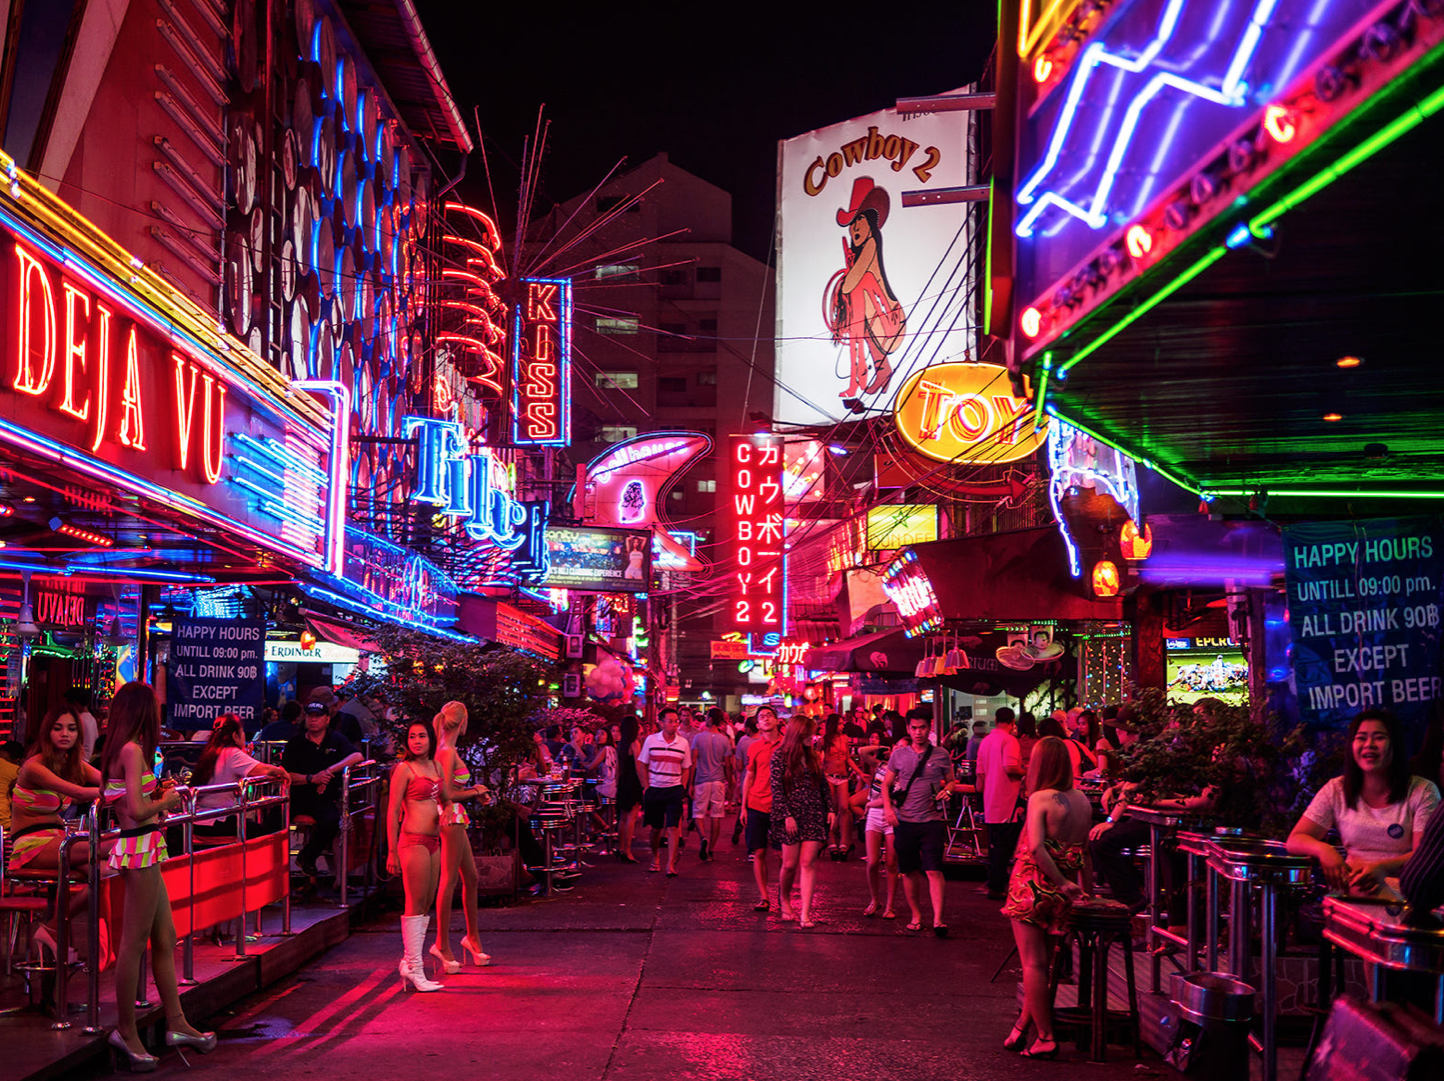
[(607, 807), (1097, 925), (548, 820)]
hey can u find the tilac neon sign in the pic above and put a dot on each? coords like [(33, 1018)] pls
[(459, 480), (542, 375)]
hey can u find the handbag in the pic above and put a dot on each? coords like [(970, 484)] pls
[(900, 795)]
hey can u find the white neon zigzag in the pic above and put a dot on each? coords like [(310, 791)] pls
[(1231, 93)]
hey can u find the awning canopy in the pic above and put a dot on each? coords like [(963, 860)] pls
[(330, 631), (882, 651), (1009, 577)]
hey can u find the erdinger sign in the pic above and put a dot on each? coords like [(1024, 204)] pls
[(93, 379), (965, 413)]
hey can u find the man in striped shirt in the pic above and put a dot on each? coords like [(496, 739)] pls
[(665, 769)]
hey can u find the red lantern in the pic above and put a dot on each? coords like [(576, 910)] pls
[(1105, 579)]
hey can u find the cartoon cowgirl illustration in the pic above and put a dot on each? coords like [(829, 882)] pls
[(860, 305)]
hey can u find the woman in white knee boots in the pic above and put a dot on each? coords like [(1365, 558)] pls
[(413, 825)]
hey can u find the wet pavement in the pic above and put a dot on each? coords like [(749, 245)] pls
[(634, 975)]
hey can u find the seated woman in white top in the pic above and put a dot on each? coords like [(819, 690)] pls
[(225, 761), (1380, 811)]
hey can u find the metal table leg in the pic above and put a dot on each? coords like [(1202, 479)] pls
[(1268, 961), (1155, 907)]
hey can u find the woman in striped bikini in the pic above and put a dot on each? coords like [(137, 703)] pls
[(51, 777), (140, 803), (456, 857)]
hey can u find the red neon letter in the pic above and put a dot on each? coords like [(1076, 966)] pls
[(74, 353), (26, 380), (132, 416), (102, 376)]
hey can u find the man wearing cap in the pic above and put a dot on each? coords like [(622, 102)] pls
[(315, 760)]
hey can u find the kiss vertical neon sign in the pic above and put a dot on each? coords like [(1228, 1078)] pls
[(542, 372), (757, 593)]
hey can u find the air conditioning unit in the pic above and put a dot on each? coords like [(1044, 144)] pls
[(572, 685), (574, 646)]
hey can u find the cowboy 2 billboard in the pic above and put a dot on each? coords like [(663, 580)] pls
[(868, 290)]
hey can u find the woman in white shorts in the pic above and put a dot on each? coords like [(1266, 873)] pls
[(878, 835)]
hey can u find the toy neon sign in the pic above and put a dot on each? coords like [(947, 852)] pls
[(757, 594), (965, 413), (459, 480), (542, 374)]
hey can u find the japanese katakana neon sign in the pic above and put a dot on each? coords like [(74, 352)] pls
[(757, 592)]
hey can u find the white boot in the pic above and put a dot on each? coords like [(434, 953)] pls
[(412, 967)]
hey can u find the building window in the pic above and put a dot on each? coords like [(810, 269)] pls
[(615, 433), (618, 324), (707, 326), (616, 270), (677, 494), (706, 486), (707, 377), (709, 273), (674, 276), (615, 380), (672, 384)]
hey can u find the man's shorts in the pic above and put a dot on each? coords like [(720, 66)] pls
[(919, 846), (662, 807), (758, 825), (709, 799)]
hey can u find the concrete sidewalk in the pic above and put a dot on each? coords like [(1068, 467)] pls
[(635, 975)]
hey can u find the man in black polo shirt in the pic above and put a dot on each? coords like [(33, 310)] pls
[(315, 760)]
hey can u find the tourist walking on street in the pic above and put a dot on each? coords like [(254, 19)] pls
[(140, 803), (710, 752), (629, 786), (413, 827), (1000, 777), (801, 814), (757, 799), (878, 835), (915, 787), (664, 767), (457, 860), (1049, 876)]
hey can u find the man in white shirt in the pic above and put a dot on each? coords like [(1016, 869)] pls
[(999, 778), (664, 767), (89, 727)]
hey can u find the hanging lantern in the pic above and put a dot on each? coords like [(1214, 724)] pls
[(1136, 544), (1105, 578)]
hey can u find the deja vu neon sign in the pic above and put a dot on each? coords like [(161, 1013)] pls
[(74, 353), (452, 476)]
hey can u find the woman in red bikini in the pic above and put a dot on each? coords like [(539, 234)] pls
[(140, 803), (51, 776), (456, 858), (413, 825)]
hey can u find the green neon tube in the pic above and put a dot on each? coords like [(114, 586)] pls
[(1191, 486), (1327, 493)]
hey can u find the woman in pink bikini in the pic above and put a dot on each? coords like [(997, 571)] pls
[(865, 311), (413, 826), (140, 803), (456, 858)]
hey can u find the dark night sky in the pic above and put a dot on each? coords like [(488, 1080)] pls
[(713, 85)]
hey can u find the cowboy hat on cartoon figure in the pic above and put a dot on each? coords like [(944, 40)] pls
[(862, 309)]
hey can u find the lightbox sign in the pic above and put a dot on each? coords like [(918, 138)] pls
[(757, 591), (593, 559), (626, 485), (965, 413), (462, 481), (868, 290), (891, 527), (1160, 117), (96, 379), (542, 372), (908, 586)]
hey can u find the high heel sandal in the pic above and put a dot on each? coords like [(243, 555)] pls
[(479, 959), (1017, 1038), (204, 1042), (142, 1063), (1049, 1052), (622, 857), (450, 967)]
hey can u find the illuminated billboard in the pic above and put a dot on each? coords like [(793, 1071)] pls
[(893, 527), (757, 589), (1161, 118), (597, 560), (851, 323)]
